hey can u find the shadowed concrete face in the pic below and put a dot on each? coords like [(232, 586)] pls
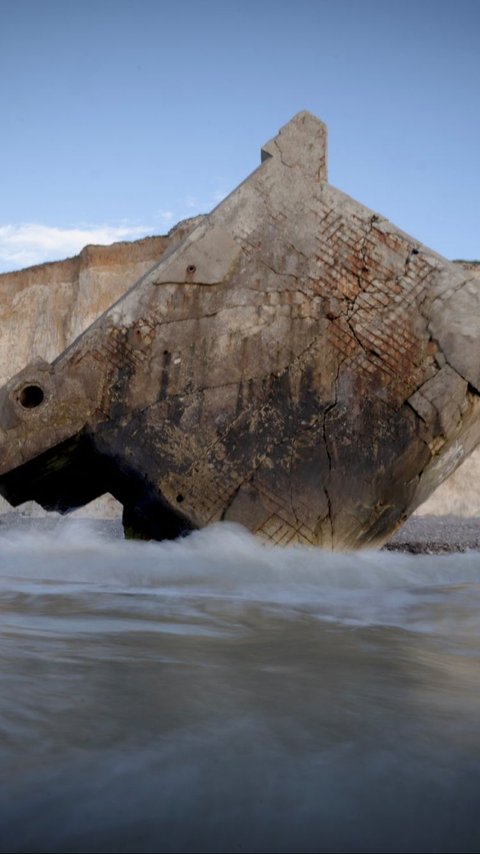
[(295, 363)]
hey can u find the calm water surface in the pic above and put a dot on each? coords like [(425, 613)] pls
[(214, 694)]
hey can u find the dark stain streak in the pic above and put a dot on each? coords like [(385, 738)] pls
[(167, 358)]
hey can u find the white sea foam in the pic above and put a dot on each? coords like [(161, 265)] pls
[(225, 563)]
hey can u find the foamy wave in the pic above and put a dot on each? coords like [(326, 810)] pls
[(225, 567), (225, 554)]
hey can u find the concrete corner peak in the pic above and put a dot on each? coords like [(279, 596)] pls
[(301, 143)]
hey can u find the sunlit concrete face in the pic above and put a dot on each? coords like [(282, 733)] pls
[(295, 363)]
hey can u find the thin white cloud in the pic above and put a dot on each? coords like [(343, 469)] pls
[(219, 196), (163, 218), (31, 243), (194, 205)]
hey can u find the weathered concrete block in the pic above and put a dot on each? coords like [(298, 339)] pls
[(295, 363)]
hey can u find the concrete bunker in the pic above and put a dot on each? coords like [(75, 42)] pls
[(293, 362)]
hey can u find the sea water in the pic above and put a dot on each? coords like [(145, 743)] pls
[(215, 694)]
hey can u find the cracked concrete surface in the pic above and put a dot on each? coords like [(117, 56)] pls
[(294, 363)]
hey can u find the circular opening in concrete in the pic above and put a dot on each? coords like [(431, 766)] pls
[(30, 396)]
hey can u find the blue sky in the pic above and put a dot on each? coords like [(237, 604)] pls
[(119, 118)]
